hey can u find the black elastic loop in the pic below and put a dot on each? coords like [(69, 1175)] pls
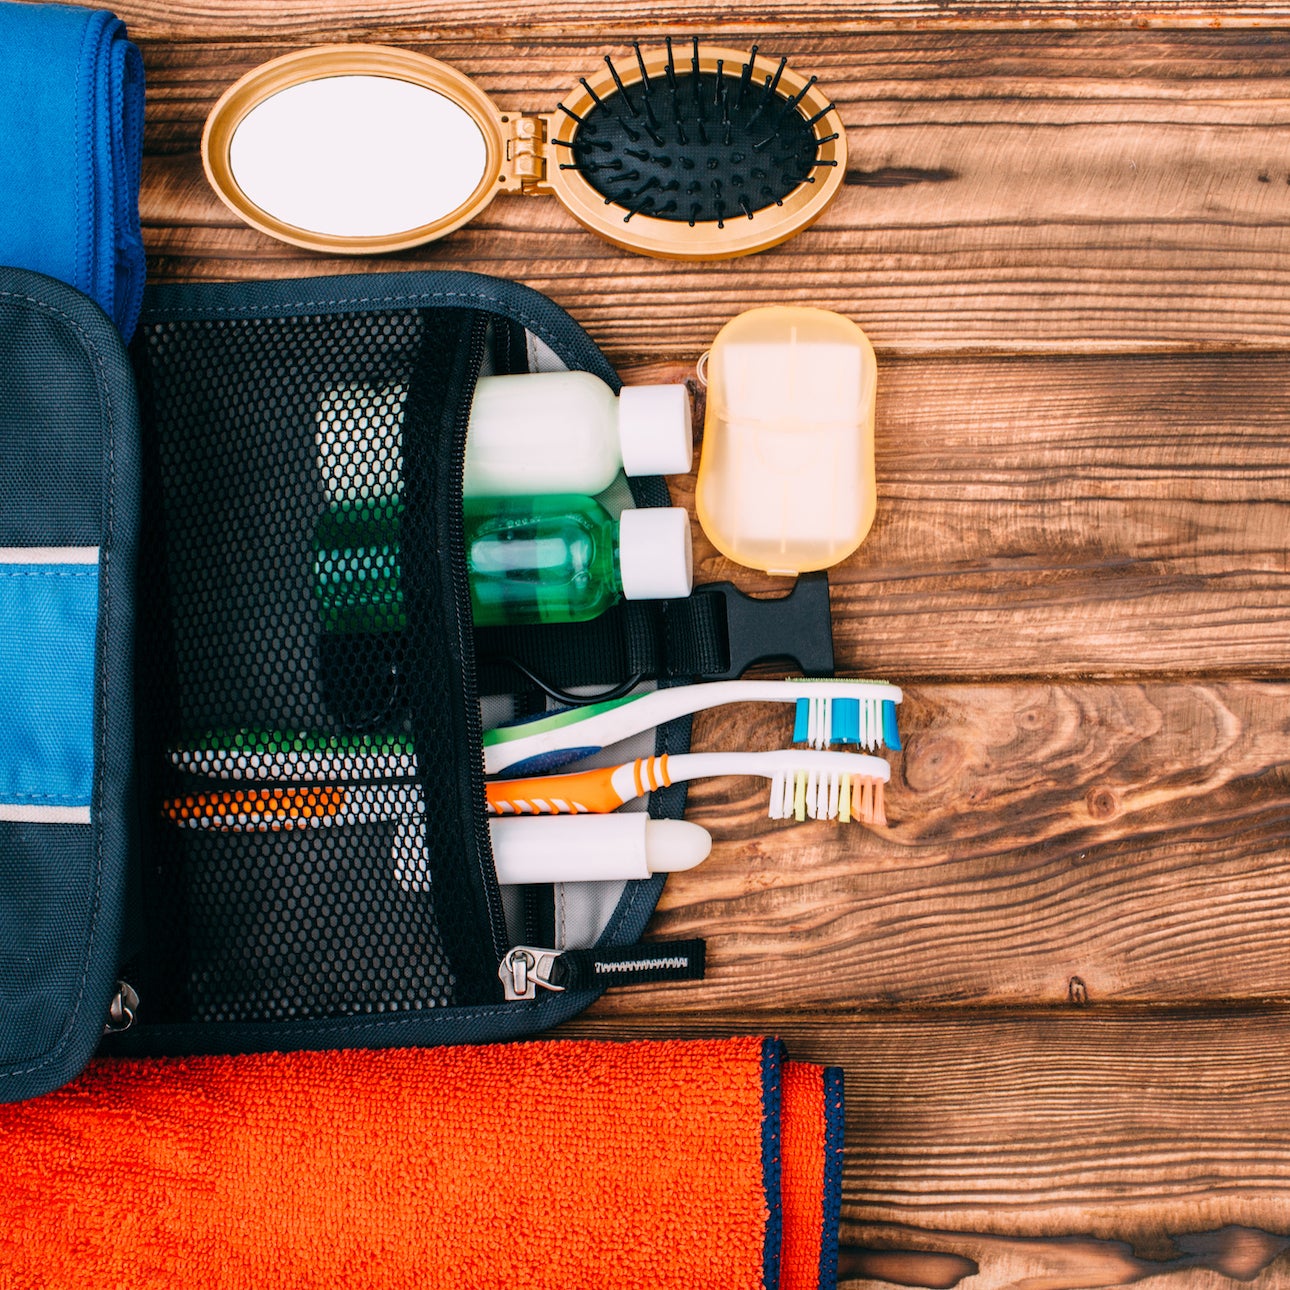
[(565, 696)]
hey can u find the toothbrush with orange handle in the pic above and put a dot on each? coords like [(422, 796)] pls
[(250, 810), (819, 785)]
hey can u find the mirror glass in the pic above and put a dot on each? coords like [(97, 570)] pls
[(358, 156)]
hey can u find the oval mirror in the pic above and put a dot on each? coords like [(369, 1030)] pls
[(354, 149), (347, 156)]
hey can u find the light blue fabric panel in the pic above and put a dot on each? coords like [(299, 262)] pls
[(48, 628)]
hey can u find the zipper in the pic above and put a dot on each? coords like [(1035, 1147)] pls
[(466, 646), (525, 968), (122, 1009)]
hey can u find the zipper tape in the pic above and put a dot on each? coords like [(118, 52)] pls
[(641, 964), (467, 902)]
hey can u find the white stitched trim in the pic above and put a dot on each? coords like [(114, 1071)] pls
[(49, 555), (23, 813), (641, 965)]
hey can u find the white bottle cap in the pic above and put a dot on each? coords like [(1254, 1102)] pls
[(594, 848), (655, 560), (654, 433), (675, 845)]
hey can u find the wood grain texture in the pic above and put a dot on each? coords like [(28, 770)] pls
[(1057, 982), (1047, 844), (386, 19), (1202, 1260), (1078, 517), (1039, 191), (1089, 1126)]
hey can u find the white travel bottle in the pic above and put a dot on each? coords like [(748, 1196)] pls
[(567, 432)]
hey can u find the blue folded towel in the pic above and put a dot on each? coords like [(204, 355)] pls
[(71, 149)]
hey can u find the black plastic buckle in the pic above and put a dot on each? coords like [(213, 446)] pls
[(797, 627)]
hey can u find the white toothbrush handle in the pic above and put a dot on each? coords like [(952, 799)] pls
[(641, 712), (687, 766), (646, 710)]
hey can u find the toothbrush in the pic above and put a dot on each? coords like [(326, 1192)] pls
[(821, 785), (828, 711), (255, 810), (274, 810), (597, 848), (278, 755)]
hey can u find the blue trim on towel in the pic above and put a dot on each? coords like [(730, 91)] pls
[(834, 1139), (772, 1085), (48, 631)]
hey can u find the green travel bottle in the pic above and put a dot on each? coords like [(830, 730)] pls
[(552, 559), (356, 567), (563, 559)]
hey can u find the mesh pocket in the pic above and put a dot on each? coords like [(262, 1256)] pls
[(315, 921), (264, 436)]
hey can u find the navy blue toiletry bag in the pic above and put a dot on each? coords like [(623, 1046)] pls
[(69, 516), (155, 652)]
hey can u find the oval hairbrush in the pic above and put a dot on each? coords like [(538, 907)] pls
[(717, 154)]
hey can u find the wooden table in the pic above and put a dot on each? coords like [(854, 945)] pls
[(1059, 981)]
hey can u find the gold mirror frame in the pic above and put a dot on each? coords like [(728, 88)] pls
[(306, 65)]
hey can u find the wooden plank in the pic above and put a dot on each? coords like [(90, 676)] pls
[(881, 1255), (1054, 192), (1079, 517), (1065, 1132), (387, 19), (1047, 844)]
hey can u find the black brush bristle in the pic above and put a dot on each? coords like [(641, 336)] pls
[(746, 76), (620, 87), (752, 144), (647, 95)]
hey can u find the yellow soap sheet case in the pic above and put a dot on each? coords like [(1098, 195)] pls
[(360, 149), (786, 477)]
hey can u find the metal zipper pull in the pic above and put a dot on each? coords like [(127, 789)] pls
[(125, 1003), (525, 968)]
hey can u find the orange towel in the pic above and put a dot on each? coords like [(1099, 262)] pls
[(569, 1165)]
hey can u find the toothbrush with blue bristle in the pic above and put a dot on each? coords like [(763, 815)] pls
[(829, 712)]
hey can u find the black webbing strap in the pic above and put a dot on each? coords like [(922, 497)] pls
[(715, 634), (650, 638)]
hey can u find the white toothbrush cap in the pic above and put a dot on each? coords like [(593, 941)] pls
[(675, 845)]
